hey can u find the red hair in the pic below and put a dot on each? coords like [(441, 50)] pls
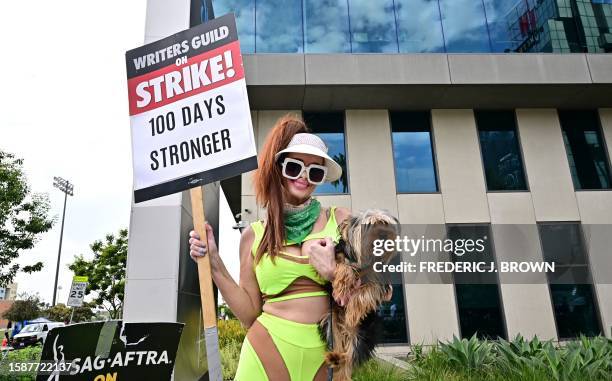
[(267, 181)]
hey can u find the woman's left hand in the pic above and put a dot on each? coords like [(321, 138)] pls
[(322, 258)]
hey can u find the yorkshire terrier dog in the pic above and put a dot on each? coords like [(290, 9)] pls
[(360, 289)]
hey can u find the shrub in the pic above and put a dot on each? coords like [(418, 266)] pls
[(469, 355), (230, 354), (518, 359), (28, 354), (230, 332)]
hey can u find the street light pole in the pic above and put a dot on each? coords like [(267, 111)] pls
[(68, 189)]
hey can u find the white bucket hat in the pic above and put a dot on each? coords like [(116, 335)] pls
[(313, 145)]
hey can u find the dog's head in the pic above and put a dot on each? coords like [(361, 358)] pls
[(360, 232)]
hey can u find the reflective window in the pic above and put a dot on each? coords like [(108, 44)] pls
[(279, 26), (413, 152), (413, 26), (393, 315), (585, 150), (244, 10), (465, 27), (329, 126), (501, 155), (372, 26), (326, 26), (478, 298), (419, 26), (506, 21), (574, 303)]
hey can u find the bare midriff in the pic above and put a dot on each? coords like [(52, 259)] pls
[(302, 310)]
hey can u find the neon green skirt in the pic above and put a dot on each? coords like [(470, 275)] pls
[(276, 349)]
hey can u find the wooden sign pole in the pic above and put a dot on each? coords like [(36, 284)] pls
[(207, 296)]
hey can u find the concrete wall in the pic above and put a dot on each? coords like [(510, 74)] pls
[(417, 81), (460, 170)]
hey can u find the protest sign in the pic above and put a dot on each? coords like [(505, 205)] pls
[(110, 350), (189, 110), (191, 125)]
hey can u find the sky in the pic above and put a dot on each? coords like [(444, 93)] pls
[(64, 110)]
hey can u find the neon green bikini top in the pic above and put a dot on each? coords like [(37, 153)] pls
[(291, 276)]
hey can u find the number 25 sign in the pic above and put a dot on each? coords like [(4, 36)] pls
[(77, 291)]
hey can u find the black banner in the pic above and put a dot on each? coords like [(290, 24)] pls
[(111, 350)]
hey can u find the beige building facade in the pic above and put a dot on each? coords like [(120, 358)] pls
[(431, 310)]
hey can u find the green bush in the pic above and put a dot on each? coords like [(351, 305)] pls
[(230, 354), (230, 332), (469, 355), (29, 354), (518, 359)]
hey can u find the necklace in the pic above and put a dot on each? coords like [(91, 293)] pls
[(299, 220)]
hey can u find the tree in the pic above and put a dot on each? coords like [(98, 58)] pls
[(27, 308), (23, 217), (106, 272), (341, 159), (60, 312)]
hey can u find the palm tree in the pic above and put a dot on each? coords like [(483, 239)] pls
[(341, 159)]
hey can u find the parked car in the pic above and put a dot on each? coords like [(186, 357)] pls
[(33, 334)]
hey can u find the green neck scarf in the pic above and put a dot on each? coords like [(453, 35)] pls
[(299, 221)]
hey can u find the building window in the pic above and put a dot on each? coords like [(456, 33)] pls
[(413, 26), (419, 26), (585, 150), (393, 314), (415, 170), (478, 298), (244, 10), (326, 28), (573, 299), (372, 26), (278, 25), (499, 146), (464, 26), (329, 126)]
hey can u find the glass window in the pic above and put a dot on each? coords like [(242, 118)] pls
[(393, 315), (585, 150), (573, 299), (419, 26), (413, 152), (326, 26), (465, 27), (244, 10), (279, 26), (510, 23), (372, 26), (329, 126), (499, 146), (478, 300)]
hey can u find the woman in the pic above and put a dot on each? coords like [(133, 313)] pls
[(285, 261)]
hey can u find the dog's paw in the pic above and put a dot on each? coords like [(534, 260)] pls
[(335, 359)]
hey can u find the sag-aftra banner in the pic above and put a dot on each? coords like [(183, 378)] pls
[(189, 110), (110, 350)]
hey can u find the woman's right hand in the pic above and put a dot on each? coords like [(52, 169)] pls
[(199, 248)]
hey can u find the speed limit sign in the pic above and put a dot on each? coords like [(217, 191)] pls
[(77, 291)]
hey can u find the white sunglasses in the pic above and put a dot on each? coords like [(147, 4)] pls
[(293, 169)]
